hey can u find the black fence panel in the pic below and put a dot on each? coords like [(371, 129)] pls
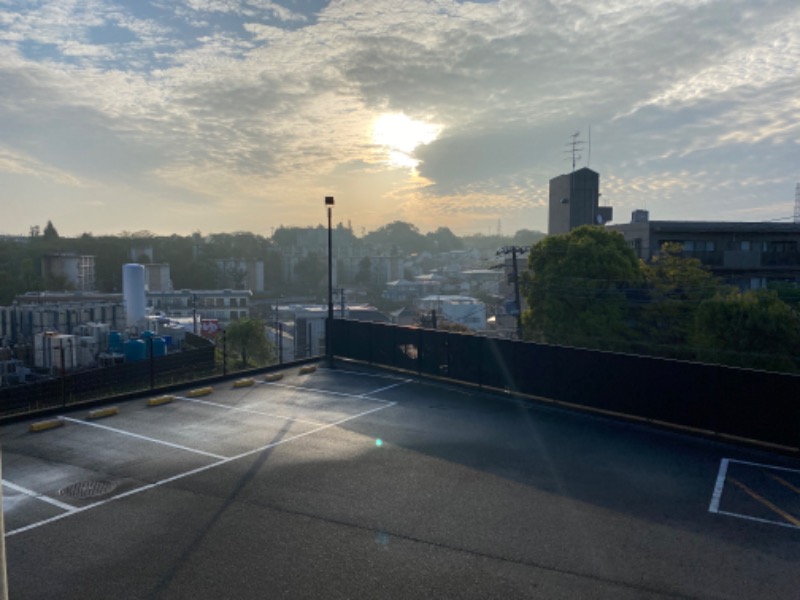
[(676, 392), (352, 339), (83, 386), (465, 361), (738, 402), (759, 405), (382, 344), (433, 353), (406, 344)]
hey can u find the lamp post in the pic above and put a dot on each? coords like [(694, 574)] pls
[(329, 321)]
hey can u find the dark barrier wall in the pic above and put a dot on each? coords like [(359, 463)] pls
[(751, 404), (83, 386)]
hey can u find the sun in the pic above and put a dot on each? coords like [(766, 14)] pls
[(400, 135)]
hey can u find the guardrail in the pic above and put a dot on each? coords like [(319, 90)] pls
[(724, 401)]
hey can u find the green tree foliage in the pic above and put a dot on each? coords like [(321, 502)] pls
[(364, 275), (675, 287), (753, 329), (576, 289), (310, 273), (50, 232), (526, 237), (247, 339), (787, 291), (444, 240), (403, 237)]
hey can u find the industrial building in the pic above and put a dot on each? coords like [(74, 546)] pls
[(72, 271)]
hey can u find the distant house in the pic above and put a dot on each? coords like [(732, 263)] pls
[(405, 316), (457, 309)]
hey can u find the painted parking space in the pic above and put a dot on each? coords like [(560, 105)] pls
[(86, 462), (762, 493)]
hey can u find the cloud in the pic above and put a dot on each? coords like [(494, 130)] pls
[(240, 104)]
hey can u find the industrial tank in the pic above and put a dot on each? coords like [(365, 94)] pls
[(135, 350), (133, 294), (159, 346), (115, 342)]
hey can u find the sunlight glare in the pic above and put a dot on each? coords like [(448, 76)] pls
[(401, 135)]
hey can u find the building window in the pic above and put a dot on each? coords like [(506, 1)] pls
[(688, 246), (745, 246)]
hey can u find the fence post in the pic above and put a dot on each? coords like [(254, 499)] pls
[(152, 363), (63, 377), (224, 352)]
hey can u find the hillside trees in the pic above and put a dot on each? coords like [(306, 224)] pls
[(402, 237)]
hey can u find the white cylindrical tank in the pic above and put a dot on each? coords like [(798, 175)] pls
[(133, 293)]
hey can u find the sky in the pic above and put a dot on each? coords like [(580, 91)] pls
[(177, 116)]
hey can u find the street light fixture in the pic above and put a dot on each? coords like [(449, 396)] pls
[(329, 321)]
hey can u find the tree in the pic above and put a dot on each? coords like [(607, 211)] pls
[(753, 329), (576, 289), (675, 287), (310, 272), (364, 275), (49, 234), (404, 236), (526, 237), (444, 240), (248, 339)]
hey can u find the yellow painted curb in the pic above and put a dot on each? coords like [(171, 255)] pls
[(160, 400), (103, 412), (274, 377), (44, 425), (239, 383), (205, 391), (307, 369)]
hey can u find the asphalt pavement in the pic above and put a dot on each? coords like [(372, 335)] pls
[(355, 483)]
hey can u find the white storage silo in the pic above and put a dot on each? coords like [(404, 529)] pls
[(133, 293)]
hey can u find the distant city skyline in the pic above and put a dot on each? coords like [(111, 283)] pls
[(242, 115)]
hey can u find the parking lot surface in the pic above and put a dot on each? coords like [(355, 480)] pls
[(352, 483)]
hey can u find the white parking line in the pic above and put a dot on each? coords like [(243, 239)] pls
[(383, 389), (719, 486), (74, 511), (144, 437), (376, 375), (39, 496), (325, 392), (248, 410), (756, 519)]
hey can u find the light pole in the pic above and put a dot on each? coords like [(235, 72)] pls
[(329, 321)]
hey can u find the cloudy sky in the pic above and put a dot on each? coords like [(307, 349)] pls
[(177, 116)]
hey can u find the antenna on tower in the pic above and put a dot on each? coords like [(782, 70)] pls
[(589, 157), (575, 147), (797, 203)]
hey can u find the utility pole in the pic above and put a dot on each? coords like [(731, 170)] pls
[(516, 291), (513, 250)]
